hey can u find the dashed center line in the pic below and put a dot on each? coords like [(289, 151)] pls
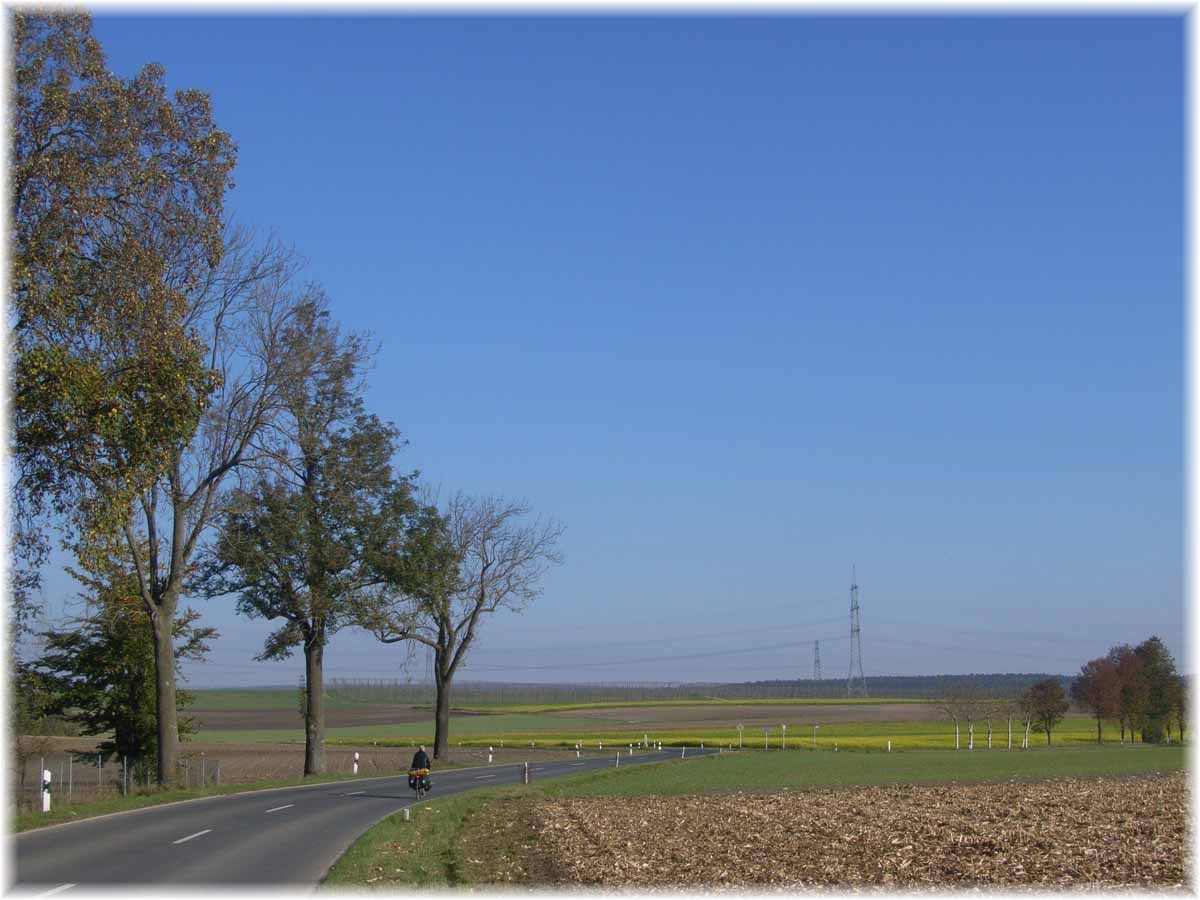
[(53, 891), (576, 765), (482, 777), (190, 836), (278, 808)]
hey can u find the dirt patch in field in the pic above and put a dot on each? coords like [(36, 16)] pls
[(1128, 832), (756, 715), (261, 719)]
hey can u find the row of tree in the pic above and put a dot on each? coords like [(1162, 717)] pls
[(190, 418), (1138, 687)]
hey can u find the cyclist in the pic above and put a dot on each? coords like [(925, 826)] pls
[(420, 761)]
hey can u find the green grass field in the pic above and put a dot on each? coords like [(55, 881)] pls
[(430, 852)]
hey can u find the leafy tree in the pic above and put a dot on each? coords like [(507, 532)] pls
[(1098, 688), (103, 668), (301, 541), (457, 567), (143, 326), (1158, 672), (1045, 704), (116, 193), (1179, 703), (1134, 688)]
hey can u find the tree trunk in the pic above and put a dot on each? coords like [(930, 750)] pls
[(164, 689), (314, 713), (1099, 730), (1025, 744), (441, 733), (1049, 731), (1010, 732), (956, 742), (970, 734)]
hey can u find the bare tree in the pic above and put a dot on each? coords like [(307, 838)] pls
[(238, 312), (477, 557)]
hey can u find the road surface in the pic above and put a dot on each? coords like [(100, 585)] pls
[(287, 836)]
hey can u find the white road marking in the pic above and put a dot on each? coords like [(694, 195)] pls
[(482, 777), (573, 765), (190, 836), (352, 793), (53, 891), (278, 808)]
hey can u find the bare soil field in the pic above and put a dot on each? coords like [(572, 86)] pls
[(368, 714), (1130, 832), (757, 715)]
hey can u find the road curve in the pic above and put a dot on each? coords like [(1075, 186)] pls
[(285, 836)]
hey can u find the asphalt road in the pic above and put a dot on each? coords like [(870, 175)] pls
[(286, 836)]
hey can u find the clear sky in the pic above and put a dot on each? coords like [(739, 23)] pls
[(743, 303)]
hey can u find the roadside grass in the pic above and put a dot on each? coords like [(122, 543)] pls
[(487, 836), (27, 820)]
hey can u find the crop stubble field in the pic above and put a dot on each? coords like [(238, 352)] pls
[(776, 821)]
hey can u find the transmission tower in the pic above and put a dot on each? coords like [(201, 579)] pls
[(816, 660), (855, 687)]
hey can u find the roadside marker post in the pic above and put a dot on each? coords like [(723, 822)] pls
[(204, 770), (406, 814), (617, 764), (489, 754), (45, 790), (354, 771), (889, 746), (526, 773), (683, 752), (784, 727)]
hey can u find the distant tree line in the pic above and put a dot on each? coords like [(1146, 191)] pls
[(1137, 687), (189, 419)]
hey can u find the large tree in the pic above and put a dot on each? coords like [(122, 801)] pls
[(1045, 704), (116, 195), (458, 566), (300, 541), (142, 334), (1098, 688)]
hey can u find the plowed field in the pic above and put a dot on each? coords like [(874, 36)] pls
[(1128, 832)]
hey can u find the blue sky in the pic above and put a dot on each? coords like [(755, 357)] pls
[(744, 302)]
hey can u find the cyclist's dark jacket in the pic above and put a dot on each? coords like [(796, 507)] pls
[(420, 760)]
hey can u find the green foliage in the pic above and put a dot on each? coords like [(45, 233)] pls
[(102, 670), (1161, 679), (298, 542), (116, 192)]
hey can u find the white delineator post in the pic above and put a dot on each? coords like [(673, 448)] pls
[(526, 773), (889, 746), (617, 765), (354, 770), (489, 754), (45, 790)]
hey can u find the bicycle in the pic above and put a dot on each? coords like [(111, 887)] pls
[(418, 780)]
